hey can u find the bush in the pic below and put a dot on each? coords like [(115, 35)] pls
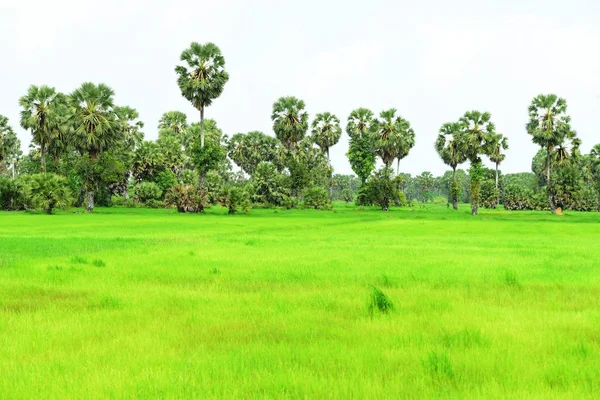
[(12, 194), (147, 191), (186, 198), (382, 190), (120, 201), (518, 198), (189, 177), (165, 180), (317, 197), (235, 198), (270, 186), (488, 194), (347, 195), (48, 192), (154, 203)]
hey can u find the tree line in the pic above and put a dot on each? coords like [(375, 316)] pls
[(87, 150)]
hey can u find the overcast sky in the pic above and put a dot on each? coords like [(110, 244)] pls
[(432, 60)]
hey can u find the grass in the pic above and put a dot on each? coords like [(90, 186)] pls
[(151, 304)]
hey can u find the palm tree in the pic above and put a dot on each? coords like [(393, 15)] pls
[(392, 136), (42, 113), (360, 152), (549, 126), (95, 126), (449, 151), (173, 120), (476, 131), (406, 141), (326, 131), (203, 77), (131, 126), (497, 143), (248, 150), (10, 145), (290, 121)]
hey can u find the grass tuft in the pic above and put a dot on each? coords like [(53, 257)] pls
[(98, 263), (378, 301), (79, 260), (509, 278), (439, 367), (215, 271)]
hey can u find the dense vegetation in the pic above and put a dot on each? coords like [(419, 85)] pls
[(93, 151)]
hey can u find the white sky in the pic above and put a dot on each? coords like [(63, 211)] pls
[(432, 60)]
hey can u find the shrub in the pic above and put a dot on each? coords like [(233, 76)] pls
[(165, 180), (154, 203), (381, 188), (270, 186), (488, 194), (12, 194), (189, 177), (186, 198), (48, 192), (347, 195), (147, 191), (235, 198), (520, 198), (120, 201), (317, 197)]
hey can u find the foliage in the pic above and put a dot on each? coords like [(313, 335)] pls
[(10, 145), (186, 198), (290, 121), (213, 153), (270, 186), (393, 137), (47, 192), (360, 151), (379, 302), (236, 198), (381, 188), (489, 194), (120, 201), (154, 203), (425, 183), (165, 180), (317, 197), (145, 191), (326, 131), (12, 194), (519, 198), (250, 149)]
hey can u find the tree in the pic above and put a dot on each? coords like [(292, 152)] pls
[(425, 183), (48, 192), (595, 170), (173, 120), (360, 151), (290, 121), (212, 154), (10, 145), (549, 127), (95, 127), (448, 148), (476, 131), (129, 123), (326, 131), (203, 77), (43, 114), (381, 188), (393, 137), (248, 150), (496, 144)]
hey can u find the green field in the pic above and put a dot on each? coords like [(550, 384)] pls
[(136, 303)]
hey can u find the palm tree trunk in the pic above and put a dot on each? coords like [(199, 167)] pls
[(398, 167), (598, 208), (497, 188), (202, 127), (43, 158), (89, 201), (550, 199), (330, 176), (454, 190)]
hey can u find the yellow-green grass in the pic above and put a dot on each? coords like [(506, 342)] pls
[(133, 303)]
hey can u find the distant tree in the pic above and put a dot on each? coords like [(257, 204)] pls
[(214, 152), (425, 183), (393, 137), (10, 145), (248, 150), (43, 113), (290, 121), (449, 150), (595, 170), (175, 121), (203, 77), (360, 151), (381, 188), (476, 131), (326, 131), (549, 127), (95, 128), (497, 144)]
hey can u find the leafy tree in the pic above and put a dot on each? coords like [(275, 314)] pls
[(317, 197), (549, 127), (270, 186), (250, 149), (43, 112), (449, 150), (425, 183), (290, 121), (10, 145), (48, 192), (595, 170), (382, 190), (393, 137), (360, 152), (476, 131), (95, 127), (235, 198), (308, 167), (148, 161), (213, 153), (203, 77), (131, 126), (172, 154), (147, 191)]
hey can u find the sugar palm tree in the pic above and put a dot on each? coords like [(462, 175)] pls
[(202, 78), (449, 151), (549, 127), (326, 131), (392, 137), (95, 126), (173, 120), (476, 131), (10, 145), (290, 121), (43, 114), (496, 146)]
